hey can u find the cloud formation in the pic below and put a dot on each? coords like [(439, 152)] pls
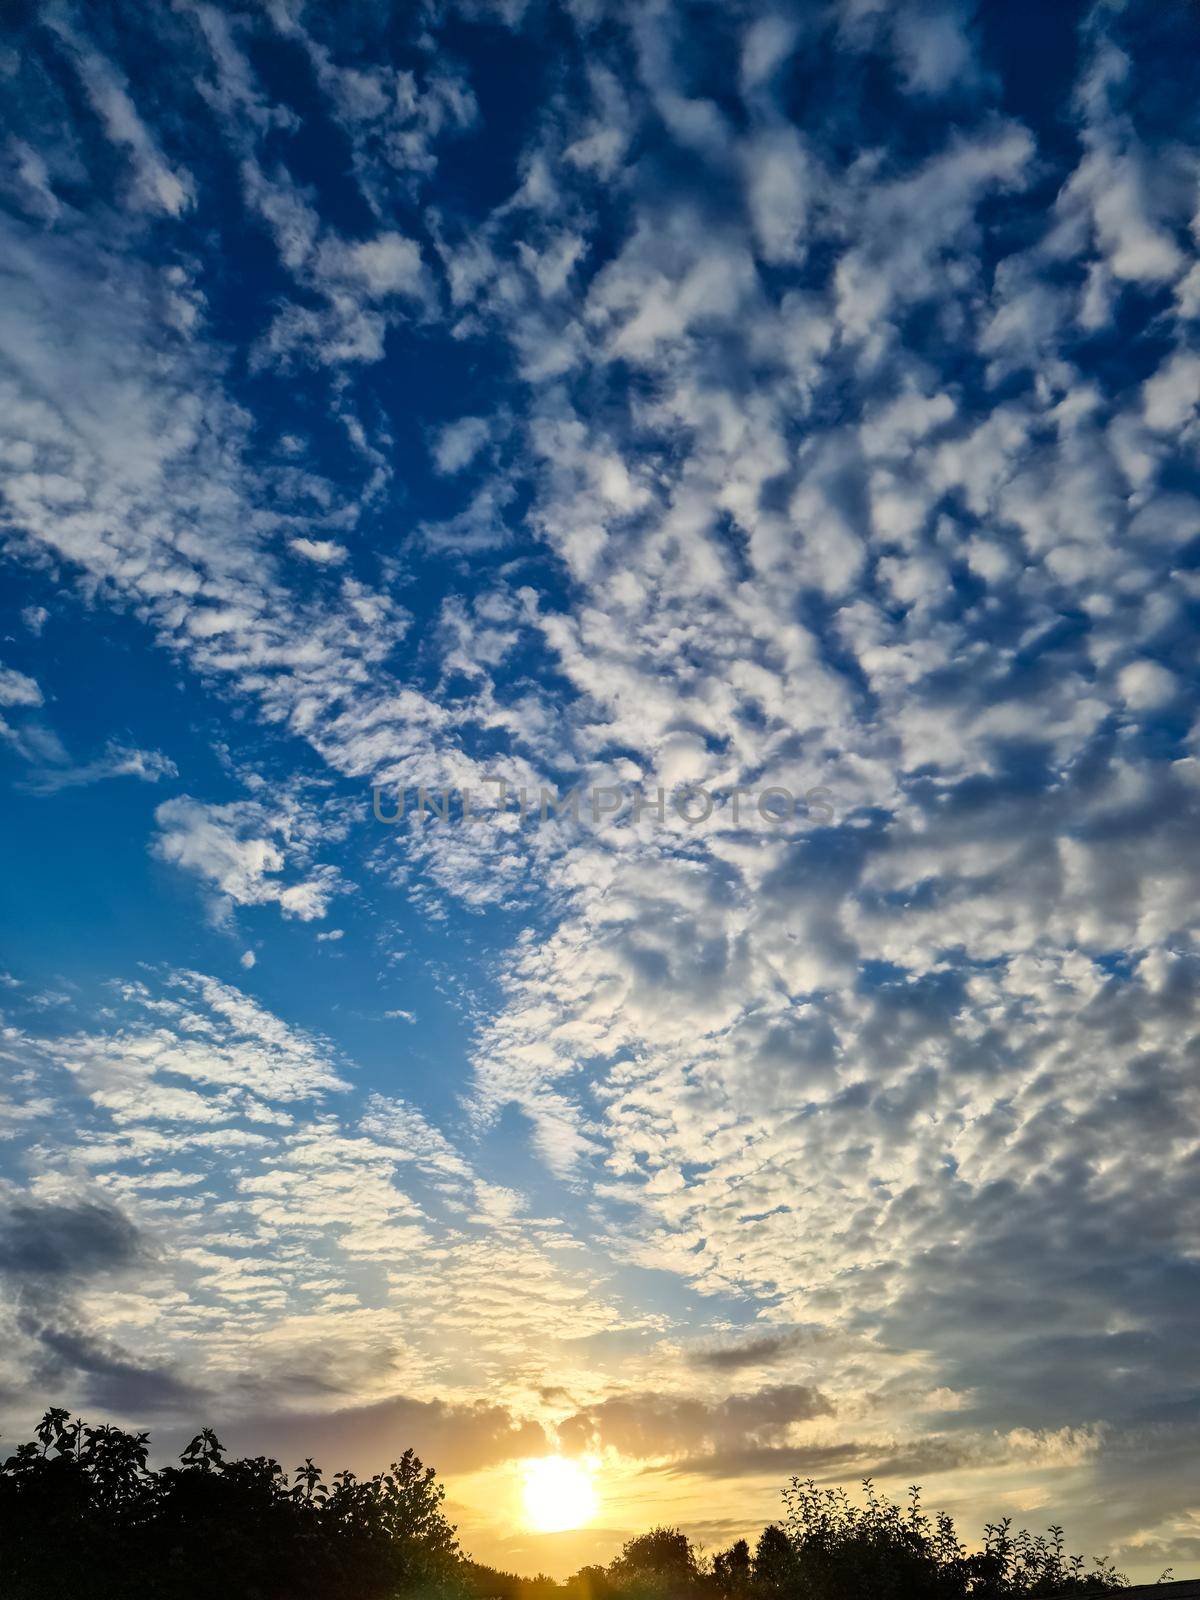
[(806, 398)]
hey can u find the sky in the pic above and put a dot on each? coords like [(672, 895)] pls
[(662, 403)]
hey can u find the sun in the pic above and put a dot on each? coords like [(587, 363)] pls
[(558, 1494)]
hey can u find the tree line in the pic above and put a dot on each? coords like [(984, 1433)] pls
[(82, 1513)]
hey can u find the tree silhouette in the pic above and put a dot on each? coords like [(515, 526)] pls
[(842, 1551), (774, 1563), (731, 1570), (83, 1514), (661, 1563)]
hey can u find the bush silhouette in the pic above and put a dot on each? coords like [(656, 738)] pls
[(732, 1571), (840, 1551), (659, 1563), (82, 1513)]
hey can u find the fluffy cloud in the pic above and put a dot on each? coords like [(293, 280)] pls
[(18, 689), (279, 1262), (238, 851)]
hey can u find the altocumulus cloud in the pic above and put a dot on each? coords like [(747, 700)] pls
[(790, 397)]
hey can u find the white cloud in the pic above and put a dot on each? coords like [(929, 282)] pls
[(254, 1244), (157, 185), (768, 42), (1170, 397), (458, 443), (358, 281), (933, 48), (18, 689), (116, 761), (240, 851), (33, 181), (779, 184), (1115, 190), (1145, 685), (387, 265), (324, 552)]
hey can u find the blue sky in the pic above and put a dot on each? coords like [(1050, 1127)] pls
[(625, 394)]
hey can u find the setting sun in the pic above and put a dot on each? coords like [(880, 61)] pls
[(559, 1494)]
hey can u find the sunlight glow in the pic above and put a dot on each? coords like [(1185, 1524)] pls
[(558, 1494)]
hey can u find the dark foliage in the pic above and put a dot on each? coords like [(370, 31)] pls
[(81, 1513), (838, 1551)]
